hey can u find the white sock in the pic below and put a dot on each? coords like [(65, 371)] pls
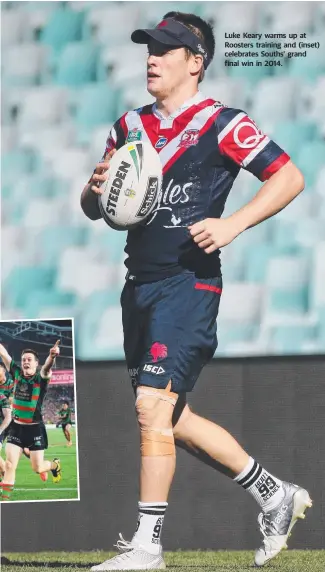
[(265, 488), (150, 522)]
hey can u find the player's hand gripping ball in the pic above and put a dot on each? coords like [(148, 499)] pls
[(130, 185)]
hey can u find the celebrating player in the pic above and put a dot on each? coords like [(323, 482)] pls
[(27, 428), (173, 286), (66, 422), (5, 415)]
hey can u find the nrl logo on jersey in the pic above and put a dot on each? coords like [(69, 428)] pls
[(134, 135)]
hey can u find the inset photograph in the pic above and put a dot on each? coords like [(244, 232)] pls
[(38, 420)]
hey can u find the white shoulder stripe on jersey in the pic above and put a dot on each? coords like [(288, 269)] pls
[(230, 126), (113, 134), (255, 152), (133, 121), (197, 122)]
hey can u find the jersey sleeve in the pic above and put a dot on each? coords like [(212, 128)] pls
[(116, 137), (241, 140), (14, 369), (4, 403)]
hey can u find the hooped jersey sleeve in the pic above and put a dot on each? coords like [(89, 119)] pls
[(241, 140), (4, 403), (15, 370)]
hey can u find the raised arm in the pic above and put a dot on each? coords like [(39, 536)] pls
[(6, 358), (47, 367)]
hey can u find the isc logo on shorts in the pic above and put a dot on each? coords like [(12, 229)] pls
[(157, 369)]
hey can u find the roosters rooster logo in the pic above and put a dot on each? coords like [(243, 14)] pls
[(158, 351)]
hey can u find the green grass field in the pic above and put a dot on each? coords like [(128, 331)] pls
[(29, 485), (288, 561)]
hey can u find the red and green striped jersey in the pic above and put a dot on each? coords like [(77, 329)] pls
[(65, 415), (4, 404), (7, 387), (29, 393)]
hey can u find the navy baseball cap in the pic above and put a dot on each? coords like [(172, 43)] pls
[(173, 33)]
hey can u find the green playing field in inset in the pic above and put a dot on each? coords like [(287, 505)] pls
[(223, 561), (30, 487)]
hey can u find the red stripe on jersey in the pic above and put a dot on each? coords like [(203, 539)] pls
[(275, 166), (152, 127), (124, 125), (182, 150), (239, 138), (23, 408), (110, 144), (200, 286)]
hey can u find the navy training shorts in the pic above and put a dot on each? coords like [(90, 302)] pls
[(170, 329)]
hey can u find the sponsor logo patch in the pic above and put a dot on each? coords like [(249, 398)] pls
[(149, 198), (158, 351), (161, 142), (189, 138), (157, 369), (247, 135), (134, 135), (116, 187)]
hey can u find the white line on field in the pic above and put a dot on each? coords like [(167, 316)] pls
[(48, 490)]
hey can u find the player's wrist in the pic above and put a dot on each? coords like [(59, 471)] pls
[(239, 222)]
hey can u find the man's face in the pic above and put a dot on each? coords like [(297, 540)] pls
[(65, 406), (29, 364), (167, 69), (2, 375)]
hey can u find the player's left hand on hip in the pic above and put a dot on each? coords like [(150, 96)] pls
[(212, 233)]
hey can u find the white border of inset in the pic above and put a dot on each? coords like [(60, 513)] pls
[(75, 408)]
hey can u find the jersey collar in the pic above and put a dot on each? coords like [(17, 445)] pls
[(197, 98)]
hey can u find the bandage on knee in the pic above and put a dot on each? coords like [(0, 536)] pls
[(163, 394), (155, 441)]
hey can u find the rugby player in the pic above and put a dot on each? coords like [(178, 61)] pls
[(5, 413), (27, 429), (6, 390), (66, 422), (173, 286)]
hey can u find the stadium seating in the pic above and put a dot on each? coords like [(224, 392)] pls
[(69, 70)]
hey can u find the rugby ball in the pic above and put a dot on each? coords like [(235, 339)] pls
[(132, 188)]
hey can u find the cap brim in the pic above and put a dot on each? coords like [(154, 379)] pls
[(143, 37)]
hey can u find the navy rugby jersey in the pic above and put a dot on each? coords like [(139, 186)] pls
[(202, 147)]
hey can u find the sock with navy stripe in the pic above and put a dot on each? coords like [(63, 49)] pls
[(150, 522), (266, 489)]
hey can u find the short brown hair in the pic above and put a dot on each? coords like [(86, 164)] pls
[(28, 351)]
